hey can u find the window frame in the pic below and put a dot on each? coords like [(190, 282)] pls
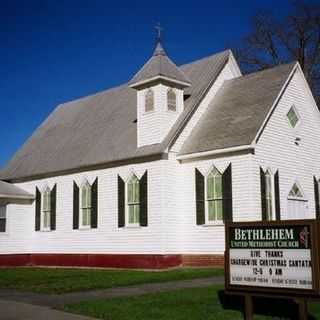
[(127, 205), (271, 199), (45, 195), (88, 208), (169, 91), (149, 91), (318, 183), (297, 198), (293, 107), (5, 210), (207, 221)]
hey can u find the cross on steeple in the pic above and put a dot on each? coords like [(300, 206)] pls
[(158, 30)]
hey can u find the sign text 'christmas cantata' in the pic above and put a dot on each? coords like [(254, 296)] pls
[(271, 256)]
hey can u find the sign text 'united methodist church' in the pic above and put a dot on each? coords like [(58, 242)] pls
[(271, 255)]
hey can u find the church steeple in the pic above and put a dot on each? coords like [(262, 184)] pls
[(159, 67), (159, 51), (159, 85)]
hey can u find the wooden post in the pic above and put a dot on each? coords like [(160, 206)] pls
[(303, 309), (248, 310)]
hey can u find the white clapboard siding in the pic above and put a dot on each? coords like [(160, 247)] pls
[(172, 217), (153, 126), (183, 230), (16, 239), (107, 238), (276, 148)]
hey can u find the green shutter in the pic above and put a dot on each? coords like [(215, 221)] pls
[(316, 197), (227, 194), (53, 200), (75, 206), (94, 204), (143, 184), (263, 195), (121, 202), (277, 196), (38, 210), (200, 203)]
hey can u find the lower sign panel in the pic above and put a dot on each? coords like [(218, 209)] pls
[(277, 268)]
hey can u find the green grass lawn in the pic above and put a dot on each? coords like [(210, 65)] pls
[(69, 280), (193, 304)]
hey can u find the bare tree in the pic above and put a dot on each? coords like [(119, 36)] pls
[(273, 41)]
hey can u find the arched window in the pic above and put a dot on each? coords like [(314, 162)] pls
[(295, 192), (149, 100), (172, 100), (269, 193), (85, 205), (297, 203), (133, 200), (214, 196), (46, 208)]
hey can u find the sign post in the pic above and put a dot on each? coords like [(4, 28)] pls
[(273, 258)]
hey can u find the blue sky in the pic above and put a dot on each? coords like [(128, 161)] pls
[(55, 51)]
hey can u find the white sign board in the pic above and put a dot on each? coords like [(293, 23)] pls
[(270, 256)]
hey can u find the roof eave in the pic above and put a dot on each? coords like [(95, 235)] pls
[(161, 155), (141, 83), (17, 197), (202, 154)]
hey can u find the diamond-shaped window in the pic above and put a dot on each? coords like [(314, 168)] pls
[(293, 117)]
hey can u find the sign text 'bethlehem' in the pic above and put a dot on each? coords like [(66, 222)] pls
[(271, 256)]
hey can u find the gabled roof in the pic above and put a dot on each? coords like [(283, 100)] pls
[(238, 111), (102, 129), (9, 191), (159, 66)]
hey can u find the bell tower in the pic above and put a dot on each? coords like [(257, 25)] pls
[(160, 88)]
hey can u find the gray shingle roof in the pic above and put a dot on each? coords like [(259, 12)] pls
[(101, 128), (9, 191), (238, 111), (159, 65)]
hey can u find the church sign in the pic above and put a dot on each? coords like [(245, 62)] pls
[(279, 257)]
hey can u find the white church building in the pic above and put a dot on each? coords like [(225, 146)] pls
[(145, 175)]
